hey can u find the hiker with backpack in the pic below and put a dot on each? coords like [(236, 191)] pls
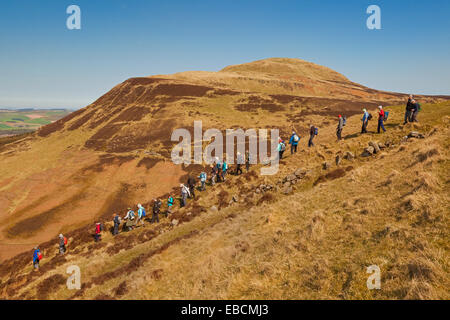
[(219, 170), (62, 244), (98, 232), (381, 118), (239, 162), (184, 195), (156, 209), (213, 174), (415, 110), (191, 184), (281, 149), (224, 170), (313, 131), (203, 176), (247, 160), (37, 256), (141, 214), (340, 127), (170, 201), (116, 221), (365, 121), (293, 141), (409, 109), (130, 217)]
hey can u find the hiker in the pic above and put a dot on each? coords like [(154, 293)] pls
[(293, 141), (169, 204), (415, 111), (281, 149), (313, 131), (409, 108), (184, 195), (365, 121), (141, 214), (116, 220), (203, 176), (381, 118), (239, 162), (62, 244), (224, 170), (37, 256), (213, 174), (191, 184), (247, 160), (156, 210), (339, 128), (219, 169), (130, 217), (98, 232)]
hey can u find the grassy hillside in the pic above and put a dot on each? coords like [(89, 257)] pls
[(312, 242)]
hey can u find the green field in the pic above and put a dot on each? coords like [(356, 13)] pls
[(22, 121)]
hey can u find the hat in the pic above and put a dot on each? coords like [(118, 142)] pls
[(60, 235), (340, 116), (139, 205), (364, 110), (380, 107)]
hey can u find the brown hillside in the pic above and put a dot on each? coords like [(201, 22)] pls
[(116, 151)]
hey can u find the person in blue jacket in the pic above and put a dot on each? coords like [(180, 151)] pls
[(36, 254), (365, 121), (293, 141)]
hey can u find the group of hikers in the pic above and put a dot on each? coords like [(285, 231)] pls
[(218, 173)]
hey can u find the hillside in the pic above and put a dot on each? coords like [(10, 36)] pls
[(116, 152), (312, 242)]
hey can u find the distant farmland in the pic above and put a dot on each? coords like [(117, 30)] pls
[(13, 122)]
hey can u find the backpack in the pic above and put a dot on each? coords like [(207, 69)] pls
[(316, 131), (369, 117), (131, 215), (65, 241), (283, 147), (225, 166), (296, 138), (39, 256), (202, 176), (143, 212), (98, 228), (386, 115), (344, 121)]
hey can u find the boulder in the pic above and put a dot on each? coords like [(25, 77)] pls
[(300, 172), (416, 135), (286, 184), (287, 190), (375, 146), (175, 222), (349, 156), (368, 152), (338, 159), (213, 208), (291, 177)]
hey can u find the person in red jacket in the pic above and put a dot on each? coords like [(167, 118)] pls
[(381, 116)]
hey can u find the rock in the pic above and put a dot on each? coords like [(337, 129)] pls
[(368, 152), (213, 208), (325, 166), (175, 222), (416, 135), (291, 177), (257, 191), (189, 213), (381, 145), (338, 159), (300, 172), (235, 198), (287, 190), (349, 156), (375, 146), (286, 184)]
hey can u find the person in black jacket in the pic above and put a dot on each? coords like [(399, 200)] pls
[(409, 108), (414, 111), (312, 134), (156, 209), (191, 184), (116, 221)]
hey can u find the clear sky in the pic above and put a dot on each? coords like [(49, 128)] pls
[(43, 64)]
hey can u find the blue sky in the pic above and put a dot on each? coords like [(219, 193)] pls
[(43, 64)]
